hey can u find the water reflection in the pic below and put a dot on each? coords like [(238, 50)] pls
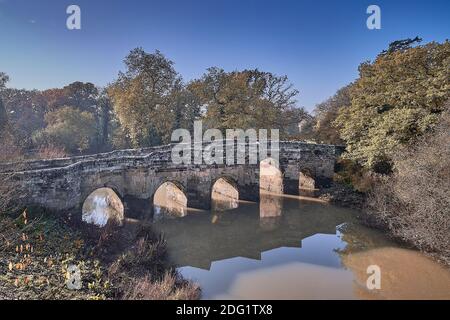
[(270, 207), (286, 248), (224, 196), (198, 240), (406, 274)]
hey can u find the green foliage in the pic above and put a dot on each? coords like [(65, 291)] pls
[(68, 128), (142, 97), (353, 175), (400, 45), (247, 99), (326, 113), (396, 99)]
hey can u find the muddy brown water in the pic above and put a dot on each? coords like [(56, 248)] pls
[(283, 247), (292, 248)]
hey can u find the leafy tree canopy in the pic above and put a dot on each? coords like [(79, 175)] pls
[(396, 98), (247, 99), (325, 114), (67, 128), (141, 97)]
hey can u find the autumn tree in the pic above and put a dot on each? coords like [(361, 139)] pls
[(247, 99), (141, 97), (9, 148), (104, 117), (68, 128), (3, 115), (82, 95), (185, 106), (325, 114), (26, 110), (396, 98)]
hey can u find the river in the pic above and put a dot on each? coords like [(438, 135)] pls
[(292, 248)]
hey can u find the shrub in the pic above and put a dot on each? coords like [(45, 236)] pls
[(168, 288), (353, 175), (143, 272), (67, 128), (414, 203)]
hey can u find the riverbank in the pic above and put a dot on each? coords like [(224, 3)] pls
[(342, 195), (44, 257), (405, 234)]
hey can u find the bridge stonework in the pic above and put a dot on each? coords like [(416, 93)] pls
[(63, 185)]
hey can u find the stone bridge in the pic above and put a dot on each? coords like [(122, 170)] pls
[(64, 184)]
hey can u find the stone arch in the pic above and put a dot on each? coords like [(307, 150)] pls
[(270, 176), (170, 199), (307, 178), (227, 195), (90, 189), (102, 205), (228, 179), (307, 182)]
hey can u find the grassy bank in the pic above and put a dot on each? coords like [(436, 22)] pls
[(41, 254)]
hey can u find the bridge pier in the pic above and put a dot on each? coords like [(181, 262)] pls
[(136, 208), (249, 192), (198, 191), (291, 186)]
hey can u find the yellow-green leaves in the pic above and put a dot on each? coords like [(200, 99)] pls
[(397, 98)]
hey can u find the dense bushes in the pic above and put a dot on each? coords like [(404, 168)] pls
[(67, 128), (414, 202)]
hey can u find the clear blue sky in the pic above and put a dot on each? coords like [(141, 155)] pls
[(318, 44)]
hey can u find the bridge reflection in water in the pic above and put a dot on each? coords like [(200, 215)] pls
[(247, 231), (282, 247), (287, 248)]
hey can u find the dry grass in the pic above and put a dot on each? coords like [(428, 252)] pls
[(143, 273), (414, 203), (170, 287), (115, 262), (35, 252)]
